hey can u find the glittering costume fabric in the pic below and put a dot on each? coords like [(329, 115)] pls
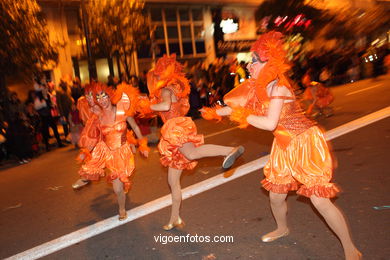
[(177, 129), (300, 158), (112, 150)]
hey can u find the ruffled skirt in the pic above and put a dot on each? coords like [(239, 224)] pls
[(120, 162), (305, 165), (176, 132)]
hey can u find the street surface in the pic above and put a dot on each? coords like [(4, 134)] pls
[(37, 203)]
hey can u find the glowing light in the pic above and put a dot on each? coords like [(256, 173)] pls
[(229, 26)]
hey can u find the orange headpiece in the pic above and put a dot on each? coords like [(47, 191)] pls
[(98, 88), (269, 48), (167, 71), (167, 66)]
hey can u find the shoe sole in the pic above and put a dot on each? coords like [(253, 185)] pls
[(77, 187), (231, 158)]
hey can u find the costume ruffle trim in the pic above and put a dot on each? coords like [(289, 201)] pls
[(92, 174), (279, 188), (123, 178), (329, 190)]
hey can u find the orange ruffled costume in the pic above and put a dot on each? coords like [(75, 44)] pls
[(112, 149), (177, 129), (323, 95), (300, 154)]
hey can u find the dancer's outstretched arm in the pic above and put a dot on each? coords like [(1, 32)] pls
[(224, 111), (165, 104)]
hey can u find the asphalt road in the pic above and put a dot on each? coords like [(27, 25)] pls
[(37, 203)]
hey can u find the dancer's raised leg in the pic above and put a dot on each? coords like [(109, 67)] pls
[(191, 152)]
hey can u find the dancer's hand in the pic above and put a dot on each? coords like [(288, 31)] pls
[(144, 153)]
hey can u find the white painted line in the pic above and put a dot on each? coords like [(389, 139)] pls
[(361, 90), (155, 205), (220, 132), (358, 123)]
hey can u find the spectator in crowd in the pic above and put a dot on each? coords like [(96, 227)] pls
[(64, 103), (76, 89), (42, 105)]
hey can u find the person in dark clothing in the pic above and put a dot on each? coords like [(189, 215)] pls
[(76, 89), (42, 105), (64, 103), (19, 139), (195, 102)]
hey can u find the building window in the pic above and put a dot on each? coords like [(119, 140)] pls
[(159, 32), (172, 32), (186, 32), (197, 14), (155, 14), (184, 15), (178, 30), (187, 48)]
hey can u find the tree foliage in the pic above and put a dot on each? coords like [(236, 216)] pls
[(24, 44), (117, 27)]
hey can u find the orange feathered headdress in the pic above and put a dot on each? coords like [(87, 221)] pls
[(168, 71), (98, 87), (131, 92), (269, 48)]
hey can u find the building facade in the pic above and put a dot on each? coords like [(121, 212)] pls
[(195, 30)]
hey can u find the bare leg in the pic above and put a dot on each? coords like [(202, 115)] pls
[(337, 223), (207, 150), (279, 210), (174, 183), (120, 193)]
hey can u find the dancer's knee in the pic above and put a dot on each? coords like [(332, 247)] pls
[(321, 204), (117, 186), (277, 199)]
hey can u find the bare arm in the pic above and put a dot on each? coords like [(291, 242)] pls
[(165, 104), (135, 127), (224, 111), (270, 121)]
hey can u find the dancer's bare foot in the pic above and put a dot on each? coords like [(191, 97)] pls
[(274, 235)]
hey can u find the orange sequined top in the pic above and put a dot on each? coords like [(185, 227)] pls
[(292, 121), (179, 108), (114, 135)]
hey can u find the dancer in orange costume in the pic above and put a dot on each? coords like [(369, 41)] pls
[(180, 144), (300, 155), (87, 108), (110, 147), (316, 98)]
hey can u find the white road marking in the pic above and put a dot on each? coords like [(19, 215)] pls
[(155, 205), (221, 132), (361, 90)]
